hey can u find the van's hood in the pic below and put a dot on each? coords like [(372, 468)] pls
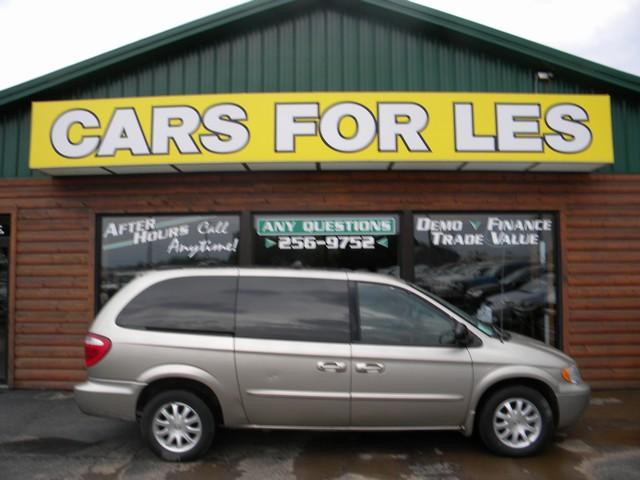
[(540, 346)]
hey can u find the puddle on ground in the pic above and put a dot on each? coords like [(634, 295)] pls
[(600, 401), (39, 446), (613, 466), (54, 396), (388, 455)]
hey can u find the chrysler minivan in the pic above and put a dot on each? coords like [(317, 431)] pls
[(185, 352)]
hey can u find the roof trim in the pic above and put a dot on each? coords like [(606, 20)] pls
[(563, 61)]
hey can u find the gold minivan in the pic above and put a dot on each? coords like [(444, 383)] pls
[(187, 351)]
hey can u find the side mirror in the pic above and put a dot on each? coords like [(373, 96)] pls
[(461, 334)]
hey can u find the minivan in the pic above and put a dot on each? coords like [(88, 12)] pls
[(187, 351)]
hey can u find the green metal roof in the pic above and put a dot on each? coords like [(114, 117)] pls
[(521, 47), (441, 23)]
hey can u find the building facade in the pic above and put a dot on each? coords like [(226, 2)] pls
[(379, 135)]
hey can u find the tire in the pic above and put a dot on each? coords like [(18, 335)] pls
[(525, 430), (178, 426)]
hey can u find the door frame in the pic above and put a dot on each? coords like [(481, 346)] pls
[(11, 294)]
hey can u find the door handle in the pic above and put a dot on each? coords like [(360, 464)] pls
[(375, 367), (332, 366)]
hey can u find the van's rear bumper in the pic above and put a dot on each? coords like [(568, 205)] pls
[(106, 398), (572, 404)]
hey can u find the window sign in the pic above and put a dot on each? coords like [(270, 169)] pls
[(358, 242), (498, 267), (130, 244)]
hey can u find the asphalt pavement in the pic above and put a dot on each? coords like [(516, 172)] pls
[(43, 436)]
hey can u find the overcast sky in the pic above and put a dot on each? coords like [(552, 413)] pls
[(40, 36)]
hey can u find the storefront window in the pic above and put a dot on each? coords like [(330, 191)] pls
[(498, 267), (131, 244), (357, 242), (5, 225)]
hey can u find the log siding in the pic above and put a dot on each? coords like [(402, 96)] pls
[(52, 290)]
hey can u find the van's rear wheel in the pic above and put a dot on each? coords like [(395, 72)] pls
[(178, 426), (516, 421)]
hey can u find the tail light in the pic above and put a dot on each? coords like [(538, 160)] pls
[(95, 348)]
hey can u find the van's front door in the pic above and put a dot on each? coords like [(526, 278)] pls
[(406, 370), (293, 356)]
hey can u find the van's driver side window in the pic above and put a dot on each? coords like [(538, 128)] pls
[(392, 316)]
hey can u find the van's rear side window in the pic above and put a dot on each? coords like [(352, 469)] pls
[(303, 309), (190, 304)]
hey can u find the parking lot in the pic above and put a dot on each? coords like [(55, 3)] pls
[(44, 436)]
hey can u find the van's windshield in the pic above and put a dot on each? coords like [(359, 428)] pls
[(484, 327)]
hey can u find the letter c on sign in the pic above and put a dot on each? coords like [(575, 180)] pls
[(60, 134)]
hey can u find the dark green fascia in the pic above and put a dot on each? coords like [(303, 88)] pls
[(500, 40)]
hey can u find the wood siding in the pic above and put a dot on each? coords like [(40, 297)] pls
[(53, 296)]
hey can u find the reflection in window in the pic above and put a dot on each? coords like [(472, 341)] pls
[(498, 267), (131, 244), (392, 316)]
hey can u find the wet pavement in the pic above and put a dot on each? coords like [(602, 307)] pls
[(43, 436)]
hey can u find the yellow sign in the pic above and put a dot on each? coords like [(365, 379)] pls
[(322, 127)]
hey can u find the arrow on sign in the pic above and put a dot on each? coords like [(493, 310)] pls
[(475, 224), (269, 243), (384, 242)]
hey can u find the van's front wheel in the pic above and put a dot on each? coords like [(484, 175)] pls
[(178, 426), (516, 421)]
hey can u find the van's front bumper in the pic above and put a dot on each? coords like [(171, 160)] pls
[(106, 398), (572, 402)]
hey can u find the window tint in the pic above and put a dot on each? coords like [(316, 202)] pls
[(392, 316), (301, 309), (200, 304)]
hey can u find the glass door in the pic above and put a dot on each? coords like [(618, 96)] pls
[(4, 295)]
